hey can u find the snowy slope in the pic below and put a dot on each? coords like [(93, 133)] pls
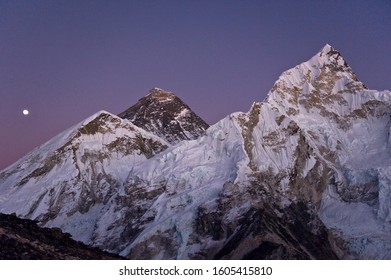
[(68, 181), (304, 175)]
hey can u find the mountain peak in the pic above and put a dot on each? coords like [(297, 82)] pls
[(161, 95), (328, 55), (327, 62), (327, 48), (165, 115), (315, 83)]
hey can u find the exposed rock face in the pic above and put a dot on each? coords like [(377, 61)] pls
[(304, 175), (22, 239), (165, 115)]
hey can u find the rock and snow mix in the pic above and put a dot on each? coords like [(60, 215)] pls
[(305, 174)]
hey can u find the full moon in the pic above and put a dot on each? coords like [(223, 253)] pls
[(25, 112)]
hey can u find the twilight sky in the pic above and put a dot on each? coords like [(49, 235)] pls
[(66, 60)]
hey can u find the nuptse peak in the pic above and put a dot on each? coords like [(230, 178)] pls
[(304, 175)]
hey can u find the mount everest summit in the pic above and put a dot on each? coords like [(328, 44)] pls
[(165, 115), (306, 174)]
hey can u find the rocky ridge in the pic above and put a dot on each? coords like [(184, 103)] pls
[(22, 239)]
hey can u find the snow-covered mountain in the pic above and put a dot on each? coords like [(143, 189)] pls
[(304, 174), (77, 173), (167, 116)]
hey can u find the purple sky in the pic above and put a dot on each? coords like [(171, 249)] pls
[(65, 60)]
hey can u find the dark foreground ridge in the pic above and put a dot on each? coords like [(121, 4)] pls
[(22, 239)]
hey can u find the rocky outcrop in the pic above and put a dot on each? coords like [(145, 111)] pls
[(22, 239)]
